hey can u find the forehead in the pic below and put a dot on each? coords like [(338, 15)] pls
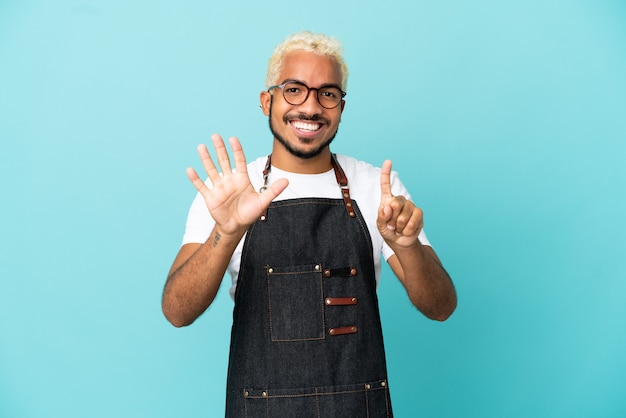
[(310, 68)]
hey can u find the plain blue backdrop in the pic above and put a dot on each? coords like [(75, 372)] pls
[(506, 120)]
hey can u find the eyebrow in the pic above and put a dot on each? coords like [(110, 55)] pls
[(294, 80)]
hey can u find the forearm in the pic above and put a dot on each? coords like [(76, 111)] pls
[(195, 278), (427, 284)]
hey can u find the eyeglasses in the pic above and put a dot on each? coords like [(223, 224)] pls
[(296, 93)]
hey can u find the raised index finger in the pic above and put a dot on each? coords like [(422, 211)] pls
[(385, 178)]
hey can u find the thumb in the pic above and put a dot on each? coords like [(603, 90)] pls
[(273, 190)]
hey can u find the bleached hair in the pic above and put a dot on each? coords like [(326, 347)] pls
[(311, 42)]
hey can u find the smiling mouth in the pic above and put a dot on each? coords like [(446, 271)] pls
[(306, 126)]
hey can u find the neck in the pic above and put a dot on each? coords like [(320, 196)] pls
[(286, 161)]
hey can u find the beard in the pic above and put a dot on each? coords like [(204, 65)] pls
[(293, 151)]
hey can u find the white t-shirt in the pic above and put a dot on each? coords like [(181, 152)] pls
[(364, 184)]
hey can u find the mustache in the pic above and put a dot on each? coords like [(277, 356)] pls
[(304, 116)]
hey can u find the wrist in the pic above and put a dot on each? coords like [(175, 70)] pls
[(412, 248), (221, 236)]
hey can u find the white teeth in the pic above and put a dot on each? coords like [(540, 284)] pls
[(305, 126)]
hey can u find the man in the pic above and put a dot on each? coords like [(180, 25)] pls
[(302, 233)]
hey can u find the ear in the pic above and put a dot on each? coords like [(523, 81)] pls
[(341, 107), (265, 99)]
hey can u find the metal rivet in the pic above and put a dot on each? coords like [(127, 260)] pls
[(331, 331), (328, 302), (367, 386), (349, 204), (318, 267), (352, 215), (352, 272), (245, 393), (353, 329), (264, 394), (383, 383), (346, 195), (327, 273), (263, 217), (354, 300), (270, 270)]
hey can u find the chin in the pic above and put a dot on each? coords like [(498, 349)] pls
[(303, 152)]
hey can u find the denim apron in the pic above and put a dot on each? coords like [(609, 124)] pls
[(306, 338)]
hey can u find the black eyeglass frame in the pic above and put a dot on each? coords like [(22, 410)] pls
[(308, 91)]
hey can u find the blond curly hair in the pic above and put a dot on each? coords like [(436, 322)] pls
[(311, 42)]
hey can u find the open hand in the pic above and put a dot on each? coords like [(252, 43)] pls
[(399, 220), (231, 199)]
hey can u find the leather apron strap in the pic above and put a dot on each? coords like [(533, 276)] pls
[(340, 175)]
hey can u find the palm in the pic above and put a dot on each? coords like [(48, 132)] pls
[(232, 201)]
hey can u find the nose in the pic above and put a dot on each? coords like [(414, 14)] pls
[(311, 105)]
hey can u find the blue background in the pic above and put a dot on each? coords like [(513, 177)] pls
[(506, 120)]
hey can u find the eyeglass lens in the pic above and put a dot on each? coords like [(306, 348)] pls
[(297, 93)]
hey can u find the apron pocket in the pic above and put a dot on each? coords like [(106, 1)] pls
[(296, 303), (358, 400)]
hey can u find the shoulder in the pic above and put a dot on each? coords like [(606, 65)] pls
[(357, 170), (257, 164), (363, 180), (255, 171), (365, 177)]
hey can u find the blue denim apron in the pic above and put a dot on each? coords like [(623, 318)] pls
[(306, 338)]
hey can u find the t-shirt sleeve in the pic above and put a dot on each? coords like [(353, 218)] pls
[(199, 222)]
